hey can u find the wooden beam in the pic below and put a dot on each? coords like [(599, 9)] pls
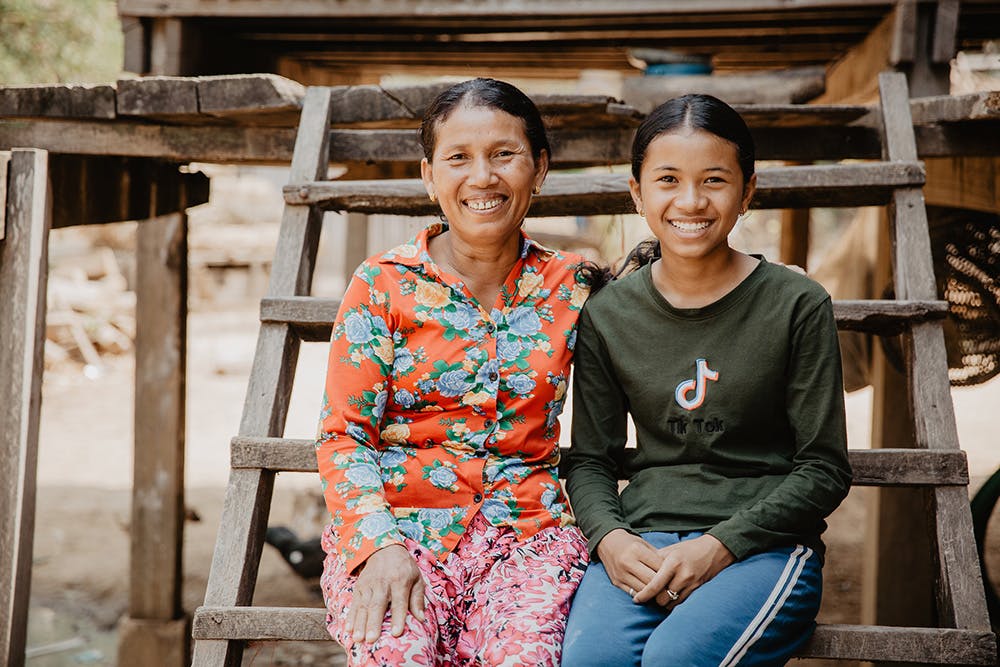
[(793, 86), (956, 108), (4, 166), (872, 467), (451, 8), (89, 190), (853, 79), (964, 182), (23, 278), (945, 31), (593, 194), (158, 463), (94, 101)]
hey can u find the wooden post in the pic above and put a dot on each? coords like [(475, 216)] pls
[(23, 278), (898, 567), (795, 237), (155, 631), (355, 244)]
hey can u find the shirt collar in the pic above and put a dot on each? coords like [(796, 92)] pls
[(414, 252)]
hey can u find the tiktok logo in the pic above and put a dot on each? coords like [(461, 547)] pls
[(699, 385)]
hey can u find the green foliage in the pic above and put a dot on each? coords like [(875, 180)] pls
[(59, 41)]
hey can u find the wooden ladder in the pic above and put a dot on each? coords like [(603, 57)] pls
[(288, 316)]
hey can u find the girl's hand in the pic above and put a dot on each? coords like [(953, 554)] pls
[(685, 566), (629, 560), (390, 580)]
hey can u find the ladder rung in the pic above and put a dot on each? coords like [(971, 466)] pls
[(845, 642), (312, 318), (863, 184), (872, 467), (885, 317)]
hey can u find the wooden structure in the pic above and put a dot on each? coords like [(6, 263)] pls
[(110, 144), (111, 131), (289, 315)]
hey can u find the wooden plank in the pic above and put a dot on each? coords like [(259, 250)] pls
[(886, 317), (451, 8), (157, 523), (312, 317), (961, 602), (964, 182), (161, 97), (23, 278), (236, 558), (945, 31), (593, 194), (872, 467), (135, 37), (845, 642), (258, 98), (781, 87), (53, 101), (956, 108), (4, 164), (854, 77), (900, 644), (903, 49), (793, 248)]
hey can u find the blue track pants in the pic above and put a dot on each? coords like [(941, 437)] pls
[(757, 611)]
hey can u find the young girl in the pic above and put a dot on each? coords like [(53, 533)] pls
[(730, 369)]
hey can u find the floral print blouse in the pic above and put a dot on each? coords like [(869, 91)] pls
[(437, 408)]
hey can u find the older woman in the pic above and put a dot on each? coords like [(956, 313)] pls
[(451, 541)]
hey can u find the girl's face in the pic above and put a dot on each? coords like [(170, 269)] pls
[(691, 190), (482, 172)]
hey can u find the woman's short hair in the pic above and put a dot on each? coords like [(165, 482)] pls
[(696, 112), (483, 92)]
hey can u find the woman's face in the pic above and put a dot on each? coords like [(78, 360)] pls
[(482, 173), (691, 190)]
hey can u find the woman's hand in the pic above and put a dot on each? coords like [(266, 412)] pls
[(685, 566), (629, 560), (390, 579)]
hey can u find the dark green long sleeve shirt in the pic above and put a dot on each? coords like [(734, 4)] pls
[(738, 409)]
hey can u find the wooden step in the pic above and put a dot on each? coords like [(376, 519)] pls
[(872, 467), (312, 317), (862, 184), (843, 642)]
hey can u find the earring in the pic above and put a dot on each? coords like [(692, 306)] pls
[(433, 197), (641, 212), (537, 190)]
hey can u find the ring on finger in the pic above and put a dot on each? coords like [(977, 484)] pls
[(631, 592), (673, 595)]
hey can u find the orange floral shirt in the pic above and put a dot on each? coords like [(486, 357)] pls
[(436, 408)]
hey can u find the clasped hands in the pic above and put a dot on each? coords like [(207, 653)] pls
[(389, 580), (669, 574)]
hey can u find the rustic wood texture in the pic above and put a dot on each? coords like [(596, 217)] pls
[(795, 86), (964, 182), (55, 101), (844, 642), (312, 318), (943, 47), (248, 497), (89, 189), (872, 467), (960, 596), (793, 246), (4, 164), (596, 194), (158, 97), (23, 279), (452, 8), (157, 520), (956, 108)]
